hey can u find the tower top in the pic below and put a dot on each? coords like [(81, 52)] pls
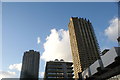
[(79, 18), (31, 51)]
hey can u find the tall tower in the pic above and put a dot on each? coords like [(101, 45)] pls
[(30, 64), (84, 46)]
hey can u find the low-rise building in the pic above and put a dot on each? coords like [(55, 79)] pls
[(58, 69)]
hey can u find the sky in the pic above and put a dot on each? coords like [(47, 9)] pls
[(43, 26)]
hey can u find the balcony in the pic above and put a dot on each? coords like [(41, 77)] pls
[(70, 75), (69, 71), (55, 71), (56, 75), (69, 67), (54, 66)]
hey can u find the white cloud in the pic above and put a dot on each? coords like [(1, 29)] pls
[(7, 74), (38, 40), (16, 67), (112, 30), (41, 74), (57, 46)]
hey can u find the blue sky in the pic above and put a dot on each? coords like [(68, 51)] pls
[(23, 23)]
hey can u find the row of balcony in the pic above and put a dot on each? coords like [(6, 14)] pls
[(59, 75), (58, 66), (59, 71), (105, 67)]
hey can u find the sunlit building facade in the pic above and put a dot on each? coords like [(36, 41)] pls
[(84, 45)]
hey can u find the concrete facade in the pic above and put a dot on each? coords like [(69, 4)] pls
[(30, 64), (108, 68), (84, 45), (58, 70)]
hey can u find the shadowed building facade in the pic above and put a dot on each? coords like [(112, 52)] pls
[(58, 70), (84, 45), (30, 65)]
